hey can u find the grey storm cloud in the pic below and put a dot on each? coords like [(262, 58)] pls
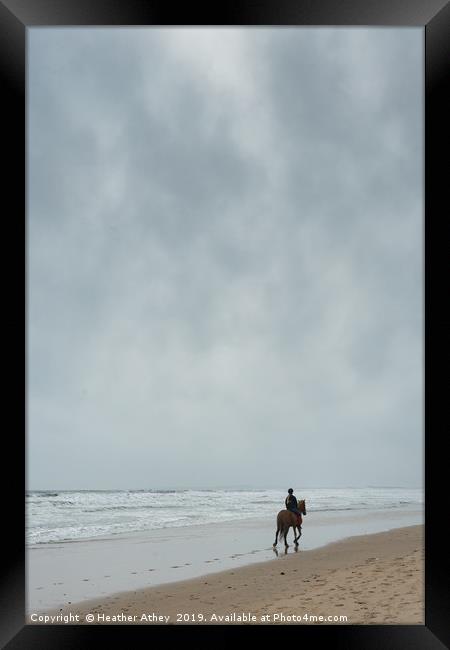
[(224, 236)]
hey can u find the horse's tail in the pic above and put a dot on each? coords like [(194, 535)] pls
[(282, 527), (280, 524)]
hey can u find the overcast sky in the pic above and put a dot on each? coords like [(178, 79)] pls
[(225, 236)]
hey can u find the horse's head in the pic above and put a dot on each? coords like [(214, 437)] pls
[(302, 506)]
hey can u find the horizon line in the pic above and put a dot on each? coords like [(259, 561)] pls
[(222, 487)]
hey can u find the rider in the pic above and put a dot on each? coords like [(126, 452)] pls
[(291, 503)]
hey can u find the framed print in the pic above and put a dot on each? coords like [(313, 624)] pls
[(230, 294)]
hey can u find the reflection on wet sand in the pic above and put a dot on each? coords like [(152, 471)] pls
[(275, 550)]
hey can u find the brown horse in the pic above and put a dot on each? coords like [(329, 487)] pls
[(286, 519)]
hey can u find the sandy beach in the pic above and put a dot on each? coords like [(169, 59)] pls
[(366, 579), (70, 572)]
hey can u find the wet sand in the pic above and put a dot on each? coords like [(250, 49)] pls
[(367, 579)]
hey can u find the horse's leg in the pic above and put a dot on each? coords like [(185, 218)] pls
[(285, 532), (276, 537)]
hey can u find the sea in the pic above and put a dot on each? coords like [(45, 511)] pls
[(65, 516)]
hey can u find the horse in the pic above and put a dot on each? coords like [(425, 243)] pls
[(286, 519)]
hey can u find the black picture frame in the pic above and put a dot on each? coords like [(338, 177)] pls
[(18, 15)]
